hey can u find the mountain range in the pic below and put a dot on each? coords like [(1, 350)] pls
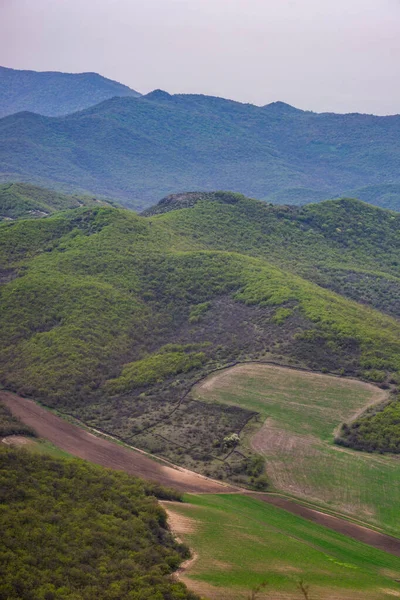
[(138, 150), (53, 93)]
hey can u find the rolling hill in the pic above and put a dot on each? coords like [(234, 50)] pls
[(53, 93), (72, 530), (111, 317), (141, 149), (23, 200)]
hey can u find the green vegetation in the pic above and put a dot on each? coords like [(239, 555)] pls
[(299, 413), (53, 93), (376, 430), (22, 200), (155, 368), (9, 425), (275, 153), (242, 542), (71, 530), (197, 311), (111, 317)]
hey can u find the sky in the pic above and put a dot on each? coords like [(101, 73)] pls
[(341, 56)]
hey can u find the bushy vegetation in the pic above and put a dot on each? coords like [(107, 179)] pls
[(203, 143), (377, 430), (71, 530), (23, 200), (9, 425), (155, 368), (112, 317)]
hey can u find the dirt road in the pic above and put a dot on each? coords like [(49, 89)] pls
[(81, 443)]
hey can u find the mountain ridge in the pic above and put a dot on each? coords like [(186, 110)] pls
[(53, 93), (138, 150)]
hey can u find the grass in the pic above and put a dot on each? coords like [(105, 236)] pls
[(45, 447), (241, 542), (302, 411)]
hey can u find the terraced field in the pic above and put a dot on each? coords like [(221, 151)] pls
[(299, 412), (240, 542)]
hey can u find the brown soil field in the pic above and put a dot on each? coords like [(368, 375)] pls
[(83, 444)]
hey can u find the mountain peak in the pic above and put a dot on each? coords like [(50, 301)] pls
[(282, 108), (157, 95)]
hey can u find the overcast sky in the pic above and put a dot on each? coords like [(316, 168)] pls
[(341, 56)]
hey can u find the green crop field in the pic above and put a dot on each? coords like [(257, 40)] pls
[(300, 412), (241, 542)]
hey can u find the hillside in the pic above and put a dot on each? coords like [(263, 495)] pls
[(72, 530), (141, 149), (53, 93), (111, 316), (23, 200)]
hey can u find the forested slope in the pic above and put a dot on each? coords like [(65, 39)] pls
[(54, 93), (141, 149), (72, 530), (23, 200)]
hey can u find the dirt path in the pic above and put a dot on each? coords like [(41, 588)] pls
[(81, 443)]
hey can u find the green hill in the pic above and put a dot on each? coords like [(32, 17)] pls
[(72, 530), (141, 149), (23, 200), (111, 316), (53, 93)]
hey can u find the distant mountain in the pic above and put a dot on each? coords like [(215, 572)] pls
[(141, 149), (52, 93), (23, 200)]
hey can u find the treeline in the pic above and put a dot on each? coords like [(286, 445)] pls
[(74, 531), (9, 425), (376, 432)]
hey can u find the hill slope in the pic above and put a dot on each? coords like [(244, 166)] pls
[(53, 93), (72, 530), (23, 200), (141, 149), (112, 316)]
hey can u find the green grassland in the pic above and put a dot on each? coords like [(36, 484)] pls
[(242, 542), (95, 299), (299, 413)]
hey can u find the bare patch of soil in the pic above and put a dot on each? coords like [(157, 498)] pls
[(179, 524), (17, 440)]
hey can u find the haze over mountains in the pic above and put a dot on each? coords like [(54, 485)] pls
[(53, 93), (139, 149)]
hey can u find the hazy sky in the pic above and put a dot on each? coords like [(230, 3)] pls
[(341, 56)]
